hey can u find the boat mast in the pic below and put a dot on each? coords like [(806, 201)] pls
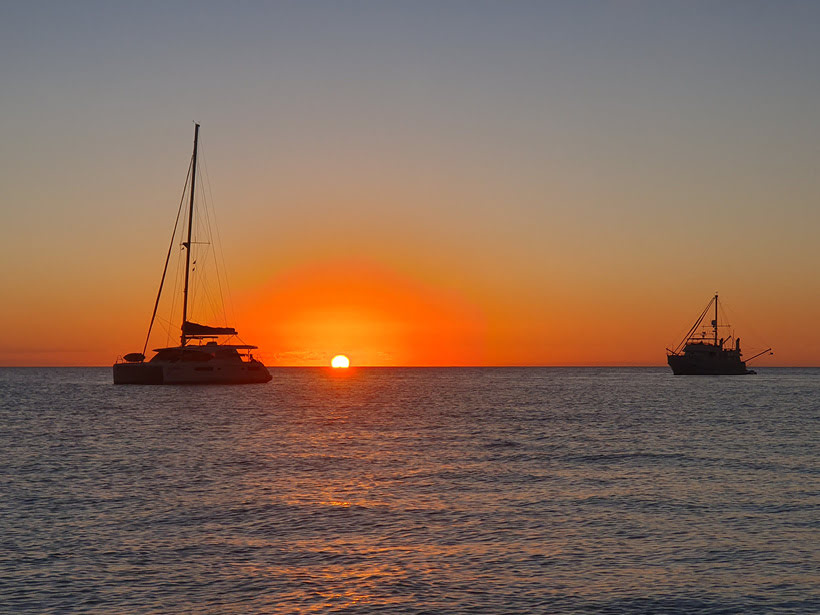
[(715, 321), (187, 244)]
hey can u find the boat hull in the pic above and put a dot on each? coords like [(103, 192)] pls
[(684, 365), (252, 372)]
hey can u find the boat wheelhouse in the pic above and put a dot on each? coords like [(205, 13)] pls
[(704, 352)]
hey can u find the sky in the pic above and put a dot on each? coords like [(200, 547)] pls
[(416, 183)]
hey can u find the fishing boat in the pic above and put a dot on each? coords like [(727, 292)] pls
[(206, 354), (703, 352)]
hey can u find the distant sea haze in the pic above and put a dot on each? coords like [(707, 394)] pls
[(486, 490)]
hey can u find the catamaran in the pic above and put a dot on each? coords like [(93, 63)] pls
[(205, 354), (703, 352)]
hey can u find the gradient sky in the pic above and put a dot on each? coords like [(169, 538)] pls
[(414, 183)]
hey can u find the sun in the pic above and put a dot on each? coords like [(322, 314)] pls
[(340, 361)]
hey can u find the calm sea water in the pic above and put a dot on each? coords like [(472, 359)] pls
[(411, 491)]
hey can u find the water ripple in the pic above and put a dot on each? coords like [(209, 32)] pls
[(411, 491)]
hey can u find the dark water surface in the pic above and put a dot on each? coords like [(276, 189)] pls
[(411, 491)]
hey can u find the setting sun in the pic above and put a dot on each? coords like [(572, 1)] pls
[(340, 361)]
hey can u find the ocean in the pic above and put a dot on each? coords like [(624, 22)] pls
[(381, 490)]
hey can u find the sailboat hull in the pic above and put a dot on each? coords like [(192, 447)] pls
[(252, 372), (137, 373)]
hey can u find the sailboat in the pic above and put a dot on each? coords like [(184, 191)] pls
[(703, 352), (204, 354)]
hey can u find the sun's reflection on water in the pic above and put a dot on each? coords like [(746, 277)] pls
[(502, 491)]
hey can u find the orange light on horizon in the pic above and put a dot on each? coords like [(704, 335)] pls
[(385, 317)]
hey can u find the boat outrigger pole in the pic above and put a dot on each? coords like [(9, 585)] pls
[(762, 352), (714, 322), (187, 244)]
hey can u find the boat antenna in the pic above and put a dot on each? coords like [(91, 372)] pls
[(715, 321), (187, 244)]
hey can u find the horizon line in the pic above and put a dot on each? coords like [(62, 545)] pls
[(535, 366)]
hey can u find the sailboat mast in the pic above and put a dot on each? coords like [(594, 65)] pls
[(187, 244), (716, 319)]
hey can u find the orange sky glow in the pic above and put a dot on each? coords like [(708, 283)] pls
[(372, 315), (409, 185)]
